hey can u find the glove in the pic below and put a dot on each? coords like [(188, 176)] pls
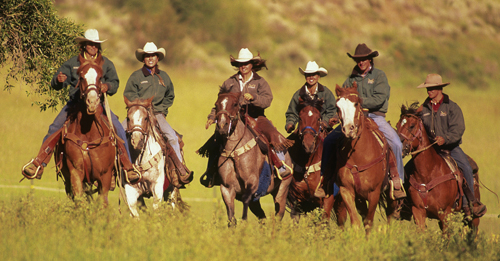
[(290, 127), (332, 121), (209, 122)]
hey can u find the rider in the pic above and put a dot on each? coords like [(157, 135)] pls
[(310, 90), (66, 75), (374, 90), (255, 97), (444, 122), (150, 81)]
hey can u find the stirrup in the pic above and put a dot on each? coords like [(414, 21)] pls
[(36, 172), (286, 167), (396, 194), (135, 170)]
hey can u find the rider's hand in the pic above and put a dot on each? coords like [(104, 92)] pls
[(61, 77), (248, 96), (290, 127), (323, 125), (440, 140), (333, 121), (104, 87), (209, 122)]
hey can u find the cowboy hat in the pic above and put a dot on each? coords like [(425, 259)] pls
[(433, 80), (91, 35), (362, 51), (244, 56), (149, 47), (312, 67)]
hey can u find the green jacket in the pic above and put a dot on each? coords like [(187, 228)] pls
[(448, 122), (70, 68), (329, 105), (374, 89), (143, 85)]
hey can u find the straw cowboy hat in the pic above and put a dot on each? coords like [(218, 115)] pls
[(433, 80), (91, 35), (312, 67), (362, 51), (149, 47), (244, 56)]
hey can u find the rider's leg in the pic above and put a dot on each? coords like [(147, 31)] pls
[(329, 144), (35, 167), (459, 156), (173, 140)]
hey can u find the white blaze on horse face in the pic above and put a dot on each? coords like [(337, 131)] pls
[(310, 114), (348, 111), (403, 122), (91, 76), (222, 121), (92, 99)]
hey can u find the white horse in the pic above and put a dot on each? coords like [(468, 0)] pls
[(146, 153)]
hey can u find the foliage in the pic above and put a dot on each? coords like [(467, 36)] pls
[(34, 43)]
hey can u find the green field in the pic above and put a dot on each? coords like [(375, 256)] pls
[(39, 221)]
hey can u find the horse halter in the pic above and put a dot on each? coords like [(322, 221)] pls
[(415, 133), (134, 127)]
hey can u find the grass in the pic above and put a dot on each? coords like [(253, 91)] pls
[(44, 223)]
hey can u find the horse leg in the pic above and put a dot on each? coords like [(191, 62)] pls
[(256, 209), (280, 197), (328, 206), (76, 177), (340, 211), (348, 198), (419, 216), (373, 198), (158, 191), (228, 195), (131, 195)]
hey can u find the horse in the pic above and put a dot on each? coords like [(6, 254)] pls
[(306, 158), (86, 152), (434, 184), (241, 162), (146, 150), (362, 163)]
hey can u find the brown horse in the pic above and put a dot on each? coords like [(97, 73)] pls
[(434, 185), (362, 164), (86, 152), (306, 157), (241, 162)]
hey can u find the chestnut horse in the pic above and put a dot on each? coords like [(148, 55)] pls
[(306, 158), (86, 152), (146, 149), (434, 186), (362, 164), (242, 161)]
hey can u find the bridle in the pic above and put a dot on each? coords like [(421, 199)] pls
[(359, 111), (409, 139)]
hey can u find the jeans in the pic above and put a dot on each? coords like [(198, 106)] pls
[(63, 115), (393, 139), (463, 163)]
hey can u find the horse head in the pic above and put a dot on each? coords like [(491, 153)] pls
[(138, 121), (227, 112), (90, 74), (349, 110), (309, 122), (410, 127)]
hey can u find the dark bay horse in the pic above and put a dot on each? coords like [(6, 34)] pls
[(434, 185), (362, 164), (86, 152), (241, 162), (147, 152), (306, 156)]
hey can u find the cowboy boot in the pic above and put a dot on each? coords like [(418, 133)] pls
[(397, 190), (34, 168), (133, 174), (208, 178), (320, 192), (478, 208)]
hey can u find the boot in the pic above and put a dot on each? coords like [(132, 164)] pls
[(34, 168), (207, 179), (133, 175), (478, 209), (397, 190)]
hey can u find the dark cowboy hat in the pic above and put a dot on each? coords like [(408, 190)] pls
[(433, 80), (362, 51)]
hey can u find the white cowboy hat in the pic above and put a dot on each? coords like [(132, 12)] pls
[(244, 56), (312, 67), (91, 35), (433, 80), (149, 47)]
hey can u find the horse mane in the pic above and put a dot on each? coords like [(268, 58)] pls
[(308, 101), (146, 103), (413, 109)]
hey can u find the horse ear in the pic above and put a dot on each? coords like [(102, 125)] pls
[(150, 100), (338, 90), (403, 109), (419, 110), (127, 102)]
